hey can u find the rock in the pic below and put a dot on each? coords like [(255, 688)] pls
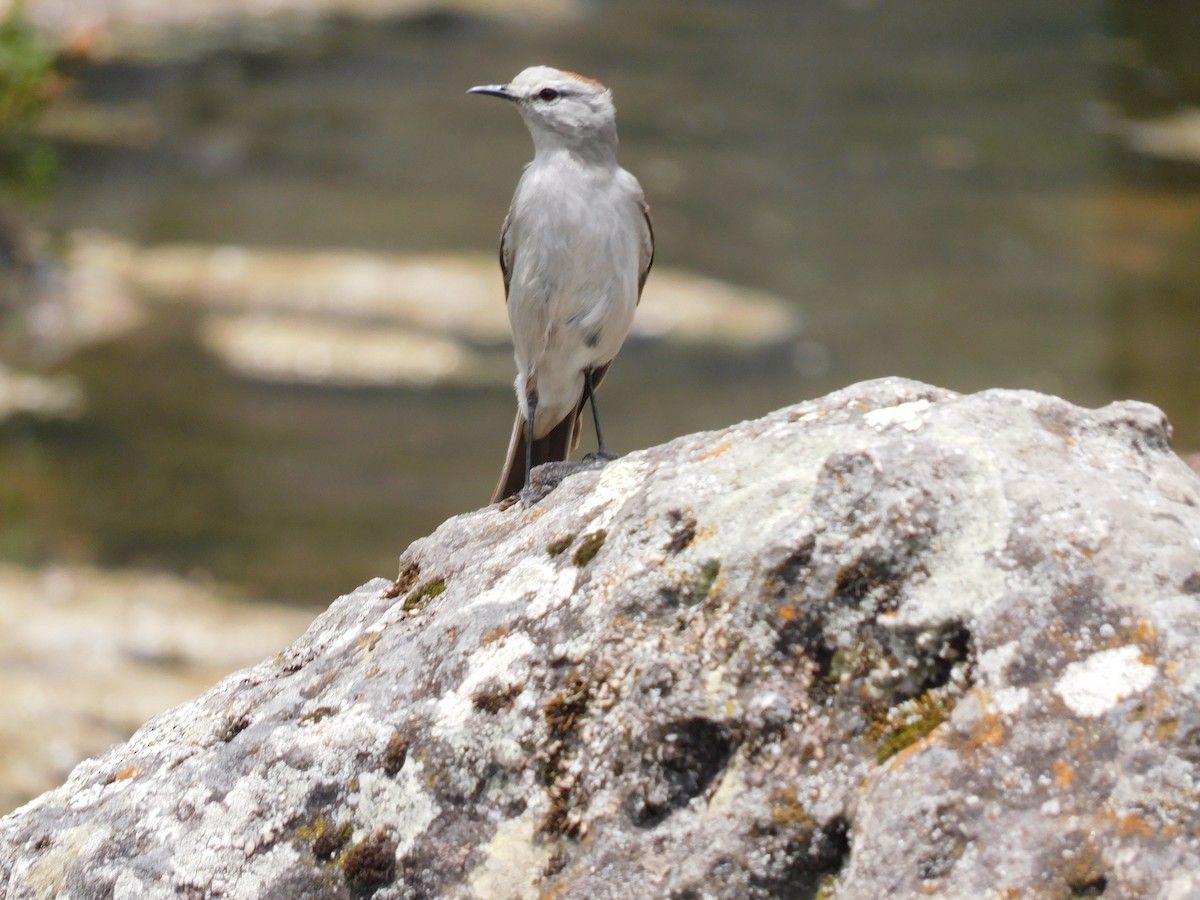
[(47, 397), (357, 318), (125, 29), (307, 350), (894, 642), (1172, 137), (82, 302), (87, 655)]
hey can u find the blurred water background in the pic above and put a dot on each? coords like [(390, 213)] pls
[(975, 195)]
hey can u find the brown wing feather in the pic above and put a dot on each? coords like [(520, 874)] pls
[(647, 247), (505, 262)]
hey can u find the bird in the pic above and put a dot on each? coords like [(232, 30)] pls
[(575, 250)]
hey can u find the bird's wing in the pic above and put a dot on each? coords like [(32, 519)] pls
[(647, 255), (506, 254)]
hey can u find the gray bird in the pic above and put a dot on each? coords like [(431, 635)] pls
[(575, 250)]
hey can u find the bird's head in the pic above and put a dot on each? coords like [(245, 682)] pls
[(561, 109)]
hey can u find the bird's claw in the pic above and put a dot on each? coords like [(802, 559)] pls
[(600, 456)]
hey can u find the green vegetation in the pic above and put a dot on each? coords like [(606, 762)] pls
[(910, 722), (422, 595), (325, 838), (370, 863), (27, 81), (560, 545), (395, 755), (589, 547), (705, 577)]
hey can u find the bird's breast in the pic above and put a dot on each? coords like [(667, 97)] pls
[(575, 244)]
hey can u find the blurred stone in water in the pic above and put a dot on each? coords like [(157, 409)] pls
[(354, 318)]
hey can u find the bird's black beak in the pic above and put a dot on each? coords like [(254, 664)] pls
[(494, 90)]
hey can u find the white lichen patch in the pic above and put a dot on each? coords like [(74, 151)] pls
[(512, 863), (991, 663), (906, 415), (1095, 685), (616, 482), (962, 576), (1009, 700), (497, 663), (536, 576), (400, 805), (556, 588), (990, 666)]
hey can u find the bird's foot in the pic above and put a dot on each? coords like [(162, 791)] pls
[(601, 456)]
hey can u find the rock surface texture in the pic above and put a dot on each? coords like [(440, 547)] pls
[(894, 642)]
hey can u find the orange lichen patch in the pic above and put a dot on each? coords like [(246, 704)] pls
[(988, 732), (787, 811), (1145, 632), (714, 452), (1059, 430), (584, 79), (494, 635), (1134, 826), (786, 613), (1165, 729), (1156, 704), (124, 774), (1056, 633), (1063, 774), (1081, 743)]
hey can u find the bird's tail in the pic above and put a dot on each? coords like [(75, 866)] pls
[(555, 446)]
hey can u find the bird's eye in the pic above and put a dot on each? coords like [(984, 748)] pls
[(548, 94)]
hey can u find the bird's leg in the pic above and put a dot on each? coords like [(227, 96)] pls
[(590, 388), (531, 400)]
